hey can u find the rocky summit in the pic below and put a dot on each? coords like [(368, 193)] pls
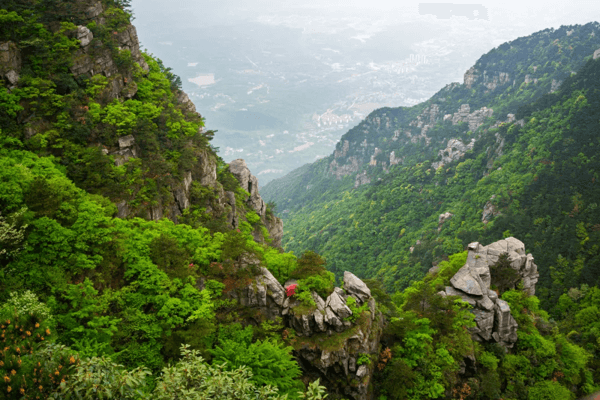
[(472, 283)]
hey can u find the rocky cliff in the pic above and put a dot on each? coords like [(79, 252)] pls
[(165, 167), (336, 340)]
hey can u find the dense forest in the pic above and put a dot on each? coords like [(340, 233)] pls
[(136, 264)]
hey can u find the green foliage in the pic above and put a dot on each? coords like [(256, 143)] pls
[(549, 390), (388, 229), (356, 311), (270, 362), (312, 276), (192, 377), (101, 378), (504, 277)]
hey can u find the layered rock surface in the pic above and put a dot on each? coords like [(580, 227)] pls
[(472, 283)]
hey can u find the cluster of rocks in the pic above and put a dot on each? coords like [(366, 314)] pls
[(341, 169), (473, 281), (454, 150), (93, 58), (490, 80), (474, 119), (336, 366)]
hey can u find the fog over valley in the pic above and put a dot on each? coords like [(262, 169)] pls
[(282, 83)]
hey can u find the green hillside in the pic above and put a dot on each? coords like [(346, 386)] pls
[(136, 264), (534, 173)]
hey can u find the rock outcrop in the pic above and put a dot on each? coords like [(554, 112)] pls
[(454, 150), (249, 183), (10, 62), (329, 341), (474, 119), (472, 283)]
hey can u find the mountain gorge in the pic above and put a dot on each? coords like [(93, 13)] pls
[(136, 264)]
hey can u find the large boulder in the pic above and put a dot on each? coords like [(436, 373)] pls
[(472, 283), (356, 288)]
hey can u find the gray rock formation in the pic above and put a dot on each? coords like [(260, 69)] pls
[(334, 364), (10, 62), (249, 183), (489, 210), (356, 288), (455, 149), (341, 169), (84, 35), (126, 150), (443, 218), (472, 284), (475, 119), (596, 54), (362, 179)]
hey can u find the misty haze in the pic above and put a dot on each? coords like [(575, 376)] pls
[(283, 83)]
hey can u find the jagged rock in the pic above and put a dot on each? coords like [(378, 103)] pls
[(596, 54), (470, 77), (454, 150), (340, 170), (339, 153), (356, 288), (126, 141), (122, 209), (184, 100), (443, 218), (505, 326), (362, 179), (129, 90), (10, 57), (84, 35), (489, 211), (472, 284), (248, 182), (275, 227), (94, 10), (12, 77), (336, 364), (450, 291), (337, 304)]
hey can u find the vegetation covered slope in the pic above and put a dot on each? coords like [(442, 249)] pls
[(142, 307), (91, 129), (532, 174)]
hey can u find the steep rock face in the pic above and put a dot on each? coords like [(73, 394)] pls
[(472, 284), (10, 62), (330, 338), (249, 183)]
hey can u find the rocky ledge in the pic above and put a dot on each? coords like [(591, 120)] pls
[(472, 283), (330, 338)]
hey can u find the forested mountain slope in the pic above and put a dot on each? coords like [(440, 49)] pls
[(407, 187), (136, 264)]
